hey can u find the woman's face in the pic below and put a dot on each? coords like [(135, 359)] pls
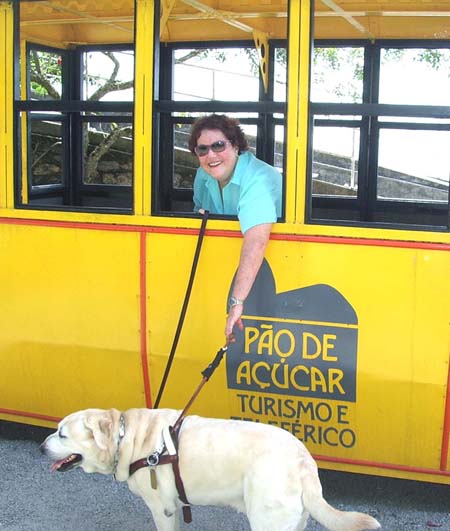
[(220, 165)]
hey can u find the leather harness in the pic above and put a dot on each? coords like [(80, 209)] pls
[(156, 459), (171, 454)]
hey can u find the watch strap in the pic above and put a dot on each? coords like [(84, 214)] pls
[(234, 301)]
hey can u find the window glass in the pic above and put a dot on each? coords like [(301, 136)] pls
[(45, 74), (280, 75), (335, 161), (46, 156), (185, 163), (418, 76), (108, 153), (108, 75), (278, 157), (252, 136), (337, 74), (228, 74), (413, 165)]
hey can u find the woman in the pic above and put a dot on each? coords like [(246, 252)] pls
[(231, 180)]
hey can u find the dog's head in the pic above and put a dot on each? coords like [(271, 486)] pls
[(86, 439)]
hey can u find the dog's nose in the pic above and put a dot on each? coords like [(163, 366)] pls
[(42, 448)]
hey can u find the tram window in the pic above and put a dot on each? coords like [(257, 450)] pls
[(380, 125), (225, 74), (421, 152), (75, 109), (337, 74), (203, 74), (221, 73), (185, 164), (108, 75), (278, 155), (211, 73), (45, 74), (389, 76), (107, 153), (280, 74), (424, 78), (46, 144), (335, 165)]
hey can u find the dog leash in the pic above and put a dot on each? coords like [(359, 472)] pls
[(183, 309), (169, 447), (206, 373)]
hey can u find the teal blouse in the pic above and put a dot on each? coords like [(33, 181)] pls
[(253, 193)]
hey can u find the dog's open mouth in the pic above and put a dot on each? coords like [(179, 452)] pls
[(69, 462)]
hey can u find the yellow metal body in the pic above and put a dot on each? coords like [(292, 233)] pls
[(90, 304), (6, 106)]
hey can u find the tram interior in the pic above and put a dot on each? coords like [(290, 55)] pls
[(77, 68)]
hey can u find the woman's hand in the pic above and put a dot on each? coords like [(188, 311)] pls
[(234, 318)]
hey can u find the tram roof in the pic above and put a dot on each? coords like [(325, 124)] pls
[(66, 22)]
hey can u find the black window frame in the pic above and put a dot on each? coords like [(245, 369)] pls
[(164, 194), (366, 206), (73, 112)]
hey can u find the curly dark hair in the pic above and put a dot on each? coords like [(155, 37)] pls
[(229, 126)]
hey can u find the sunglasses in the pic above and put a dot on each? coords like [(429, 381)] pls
[(216, 147)]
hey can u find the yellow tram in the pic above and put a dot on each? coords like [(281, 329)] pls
[(347, 340)]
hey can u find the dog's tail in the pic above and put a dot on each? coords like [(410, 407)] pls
[(327, 515)]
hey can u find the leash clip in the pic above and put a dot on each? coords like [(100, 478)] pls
[(153, 459), (207, 373)]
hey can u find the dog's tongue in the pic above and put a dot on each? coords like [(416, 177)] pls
[(67, 463), (57, 465)]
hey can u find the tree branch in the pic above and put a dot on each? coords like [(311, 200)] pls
[(111, 84), (94, 157)]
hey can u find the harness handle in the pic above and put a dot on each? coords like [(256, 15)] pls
[(208, 372)]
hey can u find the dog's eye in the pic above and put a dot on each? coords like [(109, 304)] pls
[(61, 436)]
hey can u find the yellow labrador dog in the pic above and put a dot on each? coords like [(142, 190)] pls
[(258, 469)]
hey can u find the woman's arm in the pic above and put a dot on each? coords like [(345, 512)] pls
[(252, 253)]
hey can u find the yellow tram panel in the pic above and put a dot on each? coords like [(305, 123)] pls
[(397, 415), (70, 319)]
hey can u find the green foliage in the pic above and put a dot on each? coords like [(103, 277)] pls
[(340, 70), (45, 74), (436, 59)]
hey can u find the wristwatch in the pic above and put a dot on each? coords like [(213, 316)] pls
[(235, 302)]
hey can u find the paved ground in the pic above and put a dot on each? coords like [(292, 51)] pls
[(34, 499)]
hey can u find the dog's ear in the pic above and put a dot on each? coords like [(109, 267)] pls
[(101, 430)]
